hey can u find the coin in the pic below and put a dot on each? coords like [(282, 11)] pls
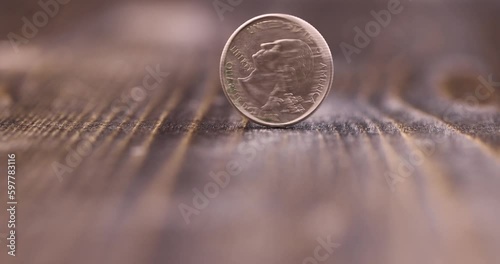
[(276, 69)]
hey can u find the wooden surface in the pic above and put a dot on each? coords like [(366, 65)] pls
[(392, 167)]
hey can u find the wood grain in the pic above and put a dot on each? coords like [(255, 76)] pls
[(394, 167)]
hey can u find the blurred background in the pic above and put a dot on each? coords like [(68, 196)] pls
[(428, 36), (128, 152)]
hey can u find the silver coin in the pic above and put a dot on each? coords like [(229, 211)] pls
[(276, 69)]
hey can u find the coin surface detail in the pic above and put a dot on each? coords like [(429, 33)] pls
[(276, 69)]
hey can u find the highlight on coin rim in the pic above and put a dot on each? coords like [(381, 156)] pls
[(308, 28)]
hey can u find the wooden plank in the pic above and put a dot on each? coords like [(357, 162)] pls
[(392, 168)]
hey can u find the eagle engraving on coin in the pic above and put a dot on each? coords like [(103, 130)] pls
[(276, 70)]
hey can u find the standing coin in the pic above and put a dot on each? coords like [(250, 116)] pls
[(276, 69)]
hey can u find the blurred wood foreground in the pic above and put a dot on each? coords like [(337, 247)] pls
[(399, 165)]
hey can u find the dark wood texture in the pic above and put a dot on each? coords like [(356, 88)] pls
[(392, 167)]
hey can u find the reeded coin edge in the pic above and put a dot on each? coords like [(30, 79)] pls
[(318, 38)]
